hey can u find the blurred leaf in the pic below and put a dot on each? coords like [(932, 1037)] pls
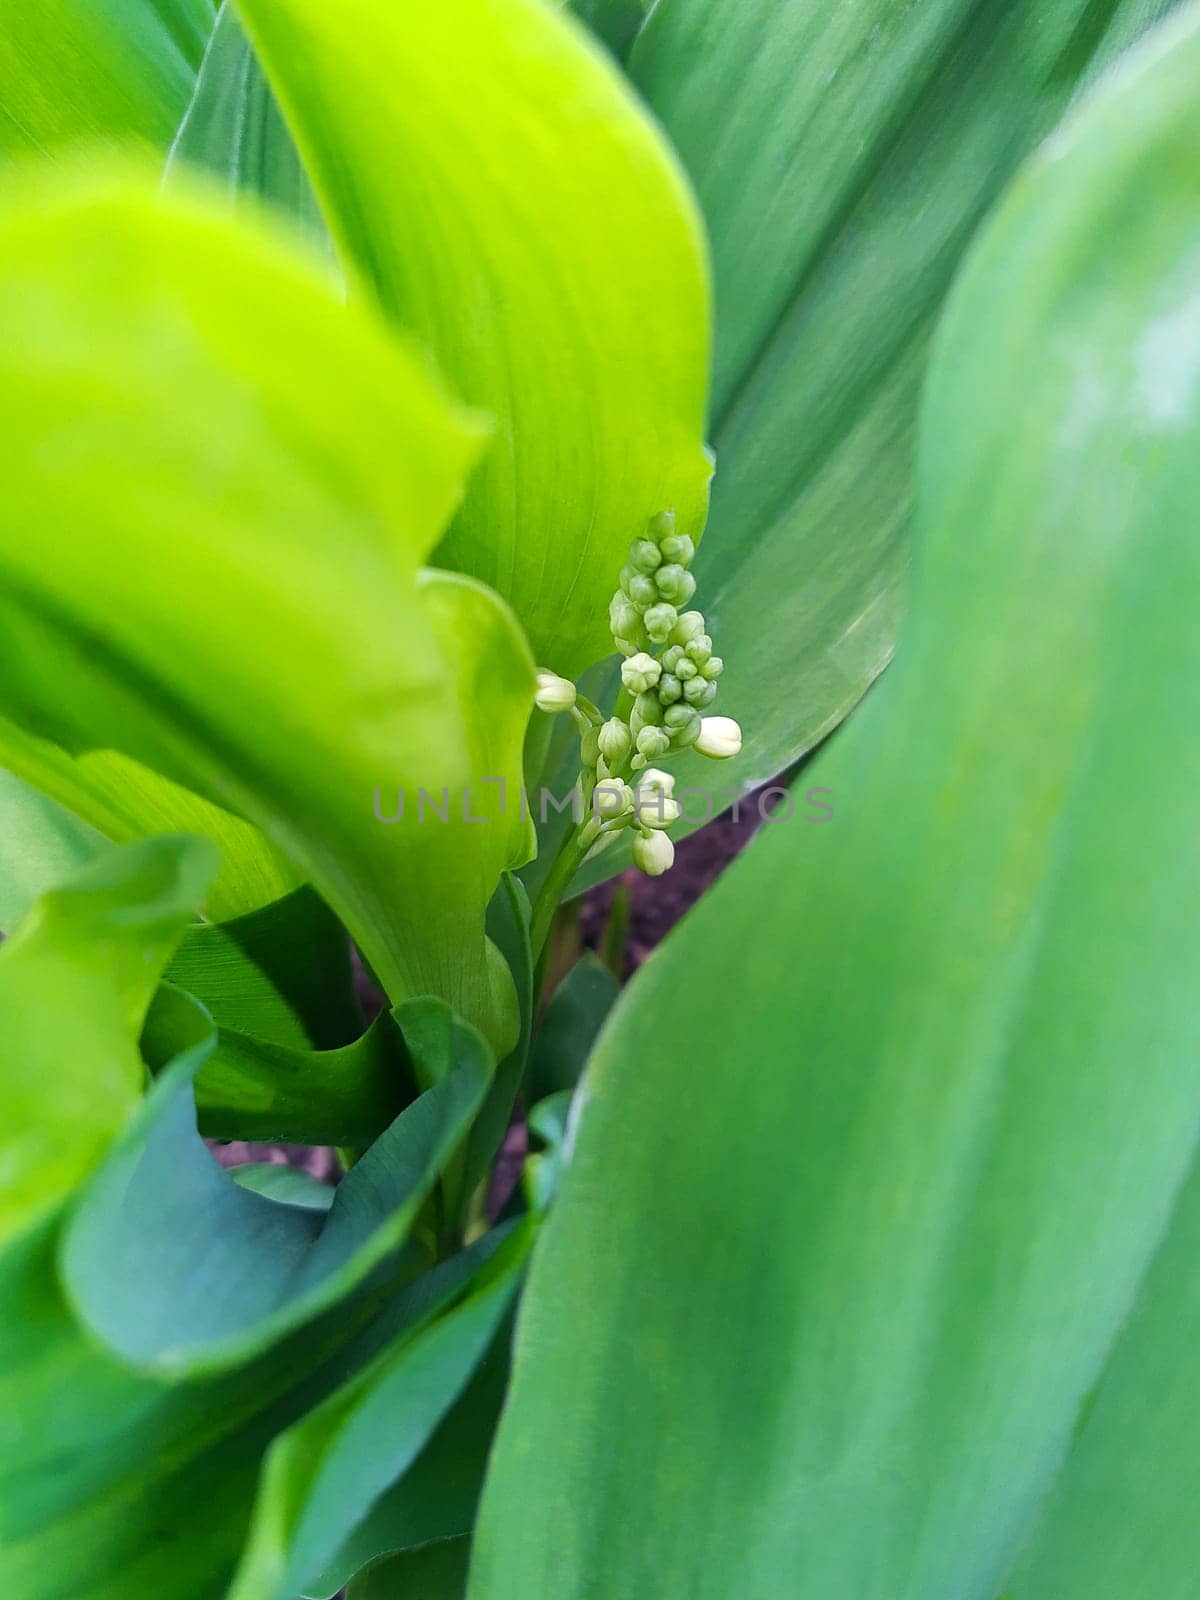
[(487, 170), (573, 1019), (83, 70), (288, 1184), (323, 1476), (124, 800), (437, 1497), (234, 129), (435, 1572), (177, 1268), (615, 21), (922, 1094), (75, 980), (244, 486), (41, 844), (844, 157)]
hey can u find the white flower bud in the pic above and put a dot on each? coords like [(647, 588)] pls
[(553, 693), (720, 738), (640, 673), (689, 626), (612, 799), (655, 810), (656, 778), (653, 853)]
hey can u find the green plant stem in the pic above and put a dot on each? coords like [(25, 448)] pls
[(558, 881)]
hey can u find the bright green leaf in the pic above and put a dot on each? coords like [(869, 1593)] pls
[(75, 981), (485, 168), (857, 1232), (41, 844), (244, 486), (83, 70)]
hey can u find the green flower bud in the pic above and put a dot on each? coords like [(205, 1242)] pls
[(553, 693), (699, 692), (647, 708), (624, 578), (653, 742), (669, 689), (659, 620), (674, 584), (685, 668), (699, 649), (644, 555), (720, 738), (712, 669), (642, 591), (653, 853), (611, 799), (661, 527), (640, 673), (678, 547), (671, 657), (624, 617), (689, 626), (684, 725), (615, 741), (627, 647)]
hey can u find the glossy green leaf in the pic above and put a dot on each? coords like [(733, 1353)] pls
[(234, 129), (41, 844), (485, 168), (278, 1181), (75, 981), (843, 157), (289, 660), (323, 1476), (124, 800), (85, 70), (858, 1230)]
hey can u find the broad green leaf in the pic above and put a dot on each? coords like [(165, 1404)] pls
[(323, 1475), (843, 156), (289, 1184), (123, 800), (234, 129), (177, 1268), (85, 70), (1122, 1518), (857, 1231), (180, 381), (41, 844), (75, 981), (485, 168)]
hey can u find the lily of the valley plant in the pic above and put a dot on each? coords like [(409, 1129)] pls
[(363, 372)]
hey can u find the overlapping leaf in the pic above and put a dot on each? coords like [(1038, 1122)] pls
[(486, 169), (843, 157), (83, 70), (223, 482), (857, 1233)]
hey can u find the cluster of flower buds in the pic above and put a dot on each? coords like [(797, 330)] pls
[(669, 678)]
